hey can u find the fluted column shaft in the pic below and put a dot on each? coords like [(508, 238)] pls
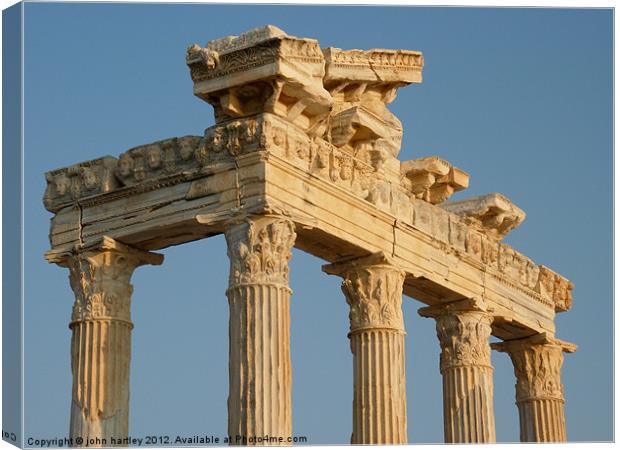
[(465, 364), (373, 289), (101, 341), (537, 364), (259, 402)]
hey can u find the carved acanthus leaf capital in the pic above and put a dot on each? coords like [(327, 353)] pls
[(537, 365), (463, 329), (373, 289), (100, 279), (260, 250)]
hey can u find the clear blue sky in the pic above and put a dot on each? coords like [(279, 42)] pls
[(519, 98)]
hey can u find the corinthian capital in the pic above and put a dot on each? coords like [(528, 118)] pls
[(463, 329), (100, 278), (260, 249), (373, 288), (537, 362)]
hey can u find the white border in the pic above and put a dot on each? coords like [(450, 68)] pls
[(471, 3)]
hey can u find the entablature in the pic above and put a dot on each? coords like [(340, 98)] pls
[(306, 132)]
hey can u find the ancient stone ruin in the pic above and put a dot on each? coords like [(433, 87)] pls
[(304, 152)]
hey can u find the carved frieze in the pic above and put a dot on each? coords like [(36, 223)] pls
[(268, 132), (259, 250), (440, 221), (490, 252), (555, 287), (230, 139), (65, 186), (458, 234), (362, 175), (503, 260), (562, 293), (160, 159), (473, 244), (373, 289)]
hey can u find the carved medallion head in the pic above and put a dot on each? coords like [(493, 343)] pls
[(62, 184), (153, 157), (76, 188), (90, 179), (209, 58), (214, 137), (186, 150), (124, 166)]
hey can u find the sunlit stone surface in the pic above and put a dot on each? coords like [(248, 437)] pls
[(304, 152)]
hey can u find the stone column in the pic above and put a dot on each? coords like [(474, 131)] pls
[(537, 364), (373, 289), (259, 402), (463, 329), (101, 340)]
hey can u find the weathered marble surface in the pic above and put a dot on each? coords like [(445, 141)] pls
[(537, 362), (493, 214), (259, 401), (304, 136), (373, 288), (463, 330), (151, 195), (101, 337)]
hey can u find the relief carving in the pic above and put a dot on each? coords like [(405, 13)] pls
[(231, 139), (67, 185), (490, 251), (464, 339), (463, 328), (324, 111), (100, 279), (474, 244), (159, 160), (537, 363), (537, 369), (458, 234), (321, 158), (556, 288), (562, 293), (101, 284), (259, 250), (373, 289), (313, 115)]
